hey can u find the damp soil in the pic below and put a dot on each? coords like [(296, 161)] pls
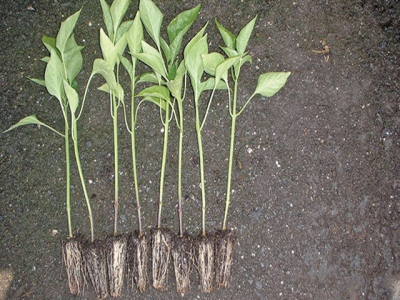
[(316, 176)]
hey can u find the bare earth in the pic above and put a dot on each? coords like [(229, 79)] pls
[(317, 167)]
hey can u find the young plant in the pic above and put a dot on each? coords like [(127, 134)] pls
[(268, 85), (194, 54), (137, 244), (112, 47), (62, 67)]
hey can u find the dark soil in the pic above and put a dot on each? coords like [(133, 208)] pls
[(317, 167)]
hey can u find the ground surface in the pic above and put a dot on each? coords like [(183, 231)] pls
[(317, 173)]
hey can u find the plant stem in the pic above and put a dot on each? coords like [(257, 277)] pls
[(180, 150), (79, 165), (231, 149), (201, 164), (163, 163), (133, 144), (68, 176), (116, 168)]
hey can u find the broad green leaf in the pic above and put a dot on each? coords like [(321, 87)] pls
[(102, 67), (72, 96), (120, 46), (38, 81), (194, 40), (150, 78), (66, 30), (229, 51), (110, 54), (228, 37), (155, 91), (117, 10), (53, 76), (270, 83), (127, 65), (221, 71), (73, 59), (209, 84), (194, 61), (182, 22), (244, 36), (152, 19), (211, 61), (119, 92), (134, 35), (25, 121), (152, 58), (123, 28), (107, 18), (157, 101), (166, 50), (45, 59), (49, 42)]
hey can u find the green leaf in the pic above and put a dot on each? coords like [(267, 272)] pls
[(134, 35), (108, 49), (66, 30), (150, 78), (211, 61), (123, 28), (53, 76), (270, 83), (72, 96), (244, 36), (194, 61), (102, 67), (73, 60), (107, 18), (166, 50), (228, 37), (152, 58), (49, 42), (25, 121), (120, 46), (119, 92), (194, 40), (155, 91), (127, 65), (152, 19), (182, 22), (38, 81), (209, 84), (157, 101), (221, 71), (229, 51), (117, 10)]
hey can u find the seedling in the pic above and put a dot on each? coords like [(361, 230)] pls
[(194, 54), (62, 67), (268, 85), (112, 47), (137, 244)]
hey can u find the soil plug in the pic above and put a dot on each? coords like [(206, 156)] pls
[(182, 254), (62, 67), (95, 260), (268, 84), (137, 261)]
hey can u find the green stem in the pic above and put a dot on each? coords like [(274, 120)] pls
[(180, 150), (133, 144), (163, 163), (231, 149), (201, 164), (79, 165), (68, 177), (116, 167)]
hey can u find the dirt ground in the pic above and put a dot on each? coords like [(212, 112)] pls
[(317, 167)]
